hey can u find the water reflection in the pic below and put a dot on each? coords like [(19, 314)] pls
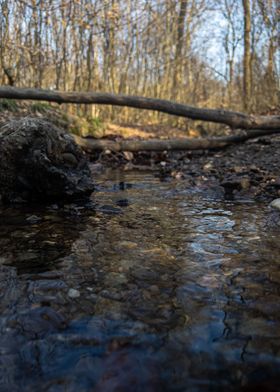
[(168, 290)]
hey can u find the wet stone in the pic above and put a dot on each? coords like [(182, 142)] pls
[(111, 295), (37, 322), (33, 219), (275, 204), (31, 170), (115, 279), (73, 293)]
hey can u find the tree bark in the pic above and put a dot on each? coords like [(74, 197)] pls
[(247, 74), (179, 45), (91, 145), (232, 119)]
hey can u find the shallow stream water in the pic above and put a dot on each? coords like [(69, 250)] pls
[(151, 287)]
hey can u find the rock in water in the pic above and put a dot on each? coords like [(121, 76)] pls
[(41, 162), (275, 204)]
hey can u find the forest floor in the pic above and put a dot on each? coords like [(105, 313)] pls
[(243, 171)]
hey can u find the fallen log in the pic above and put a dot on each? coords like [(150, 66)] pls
[(233, 119), (91, 145)]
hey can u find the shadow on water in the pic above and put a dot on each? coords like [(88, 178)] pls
[(156, 288)]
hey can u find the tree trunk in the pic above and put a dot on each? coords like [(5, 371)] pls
[(91, 145), (179, 45), (232, 119), (247, 55)]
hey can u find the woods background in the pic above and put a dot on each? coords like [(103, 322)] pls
[(205, 53)]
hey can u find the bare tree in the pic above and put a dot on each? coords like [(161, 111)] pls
[(147, 48), (247, 71)]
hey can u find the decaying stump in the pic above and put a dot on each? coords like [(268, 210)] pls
[(41, 162)]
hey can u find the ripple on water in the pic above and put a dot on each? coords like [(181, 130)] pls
[(158, 287)]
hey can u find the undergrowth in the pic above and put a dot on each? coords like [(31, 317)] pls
[(8, 104), (77, 125), (40, 107)]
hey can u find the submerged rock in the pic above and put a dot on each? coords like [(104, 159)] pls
[(273, 218), (41, 162), (275, 204)]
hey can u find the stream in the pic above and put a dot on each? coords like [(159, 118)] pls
[(152, 286)]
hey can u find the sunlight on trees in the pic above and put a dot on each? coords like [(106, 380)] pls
[(198, 52)]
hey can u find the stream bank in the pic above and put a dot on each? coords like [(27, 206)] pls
[(243, 171)]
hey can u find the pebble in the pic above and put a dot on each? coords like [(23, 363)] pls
[(208, 166), (96, 167), (178, 175), (275, 204), (111, 295), (245, 183), (2, 260), (33, 219), (128, 244), (73, 293), (154, 289)]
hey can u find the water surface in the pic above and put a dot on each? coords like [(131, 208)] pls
[(152, 287)]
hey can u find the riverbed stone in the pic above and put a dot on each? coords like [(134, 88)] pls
[(275, 204), (73, 293)]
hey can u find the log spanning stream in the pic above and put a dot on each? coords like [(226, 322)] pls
[(153, 287)]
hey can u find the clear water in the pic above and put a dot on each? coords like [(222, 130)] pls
[(156, 288)]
